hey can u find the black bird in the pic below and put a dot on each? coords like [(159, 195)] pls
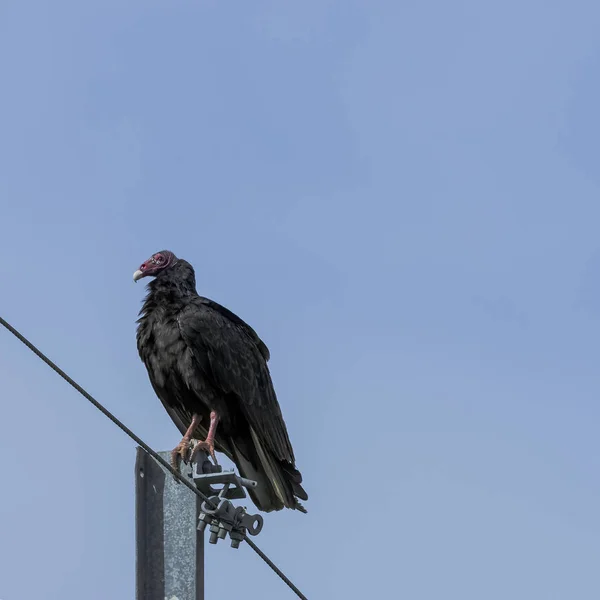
[(208, 366)]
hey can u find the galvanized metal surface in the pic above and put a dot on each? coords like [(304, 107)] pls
[(169, 548)]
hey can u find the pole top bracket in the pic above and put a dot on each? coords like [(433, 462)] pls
[(218, 512)]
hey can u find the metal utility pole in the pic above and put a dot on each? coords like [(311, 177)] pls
[(170, 524), (169, 547)]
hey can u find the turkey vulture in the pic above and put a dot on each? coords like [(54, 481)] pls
[(208, 366)]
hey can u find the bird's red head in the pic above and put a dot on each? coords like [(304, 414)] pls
[(155, 264)]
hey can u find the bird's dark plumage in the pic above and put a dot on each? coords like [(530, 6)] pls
[(201, 357)]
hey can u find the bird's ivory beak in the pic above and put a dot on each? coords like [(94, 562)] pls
[(137, 275)]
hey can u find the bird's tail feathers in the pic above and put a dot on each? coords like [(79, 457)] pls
[(262, 494), (278, 482), (294, 478)]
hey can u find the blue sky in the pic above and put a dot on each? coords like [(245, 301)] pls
[(401, 197)]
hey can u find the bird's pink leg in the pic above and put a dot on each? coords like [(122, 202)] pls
[(209, 444), (183, 448)]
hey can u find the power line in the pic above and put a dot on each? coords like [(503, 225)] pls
[(144, 446)]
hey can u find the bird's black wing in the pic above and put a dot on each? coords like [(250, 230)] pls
[(230, 352), (262, 347)]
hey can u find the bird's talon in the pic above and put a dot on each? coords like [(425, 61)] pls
[(181, 452), (207, 446)]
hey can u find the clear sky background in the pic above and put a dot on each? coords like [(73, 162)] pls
[(401, 197)]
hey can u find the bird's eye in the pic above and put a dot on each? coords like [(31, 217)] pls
[(160, 258)]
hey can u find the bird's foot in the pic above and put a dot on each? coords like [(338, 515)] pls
[(181, 452), (207, 446)]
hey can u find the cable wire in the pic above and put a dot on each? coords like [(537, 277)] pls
[(155, 455)]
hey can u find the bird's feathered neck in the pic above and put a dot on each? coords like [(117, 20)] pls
[(174, 285)]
